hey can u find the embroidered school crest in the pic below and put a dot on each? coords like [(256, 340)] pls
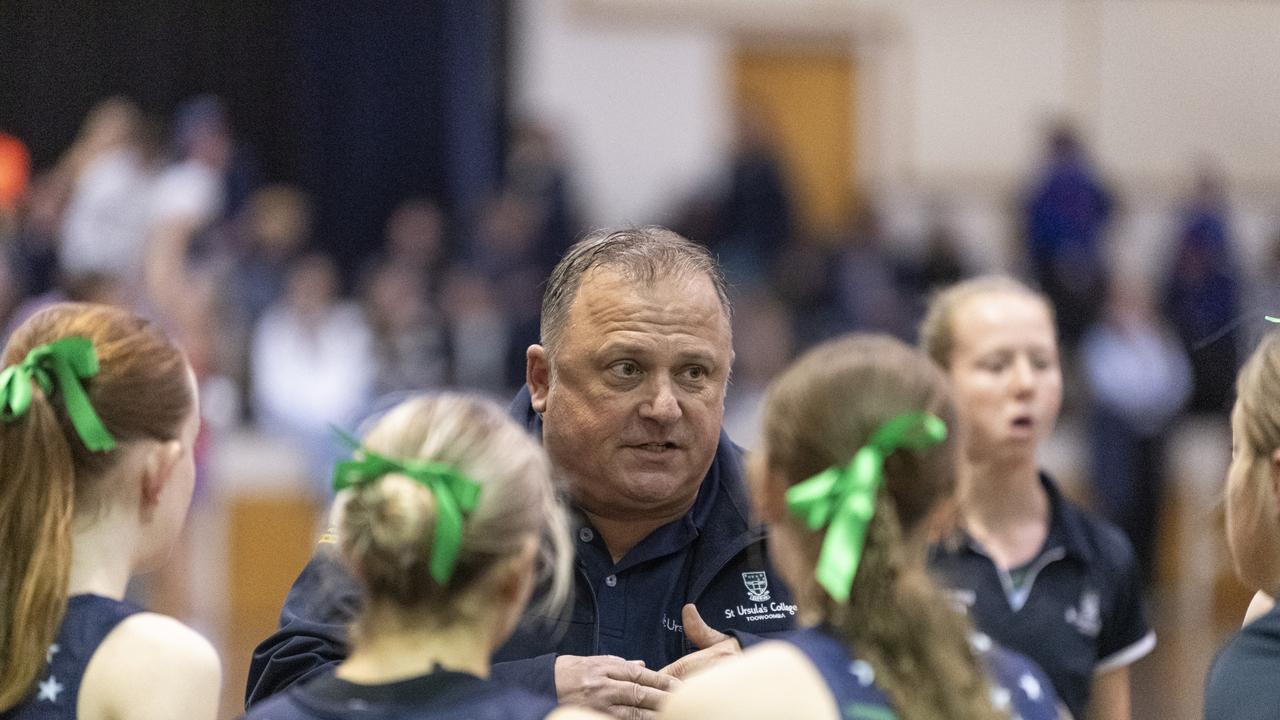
[(757, 585), (1087, 618)]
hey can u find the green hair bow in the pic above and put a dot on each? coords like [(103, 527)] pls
[(61, 364), (843, 498), (456, 496)]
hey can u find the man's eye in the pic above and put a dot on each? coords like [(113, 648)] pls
[(625, 369), (695, 372)]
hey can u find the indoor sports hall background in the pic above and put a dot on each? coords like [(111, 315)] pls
[(333, 204)]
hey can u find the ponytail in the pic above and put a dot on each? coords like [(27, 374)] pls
[(822, 415), (78, 378), (37, 490), (916, 644)]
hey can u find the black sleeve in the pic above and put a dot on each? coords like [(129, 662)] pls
[(1125, 635), (312, 635), (536, 674)]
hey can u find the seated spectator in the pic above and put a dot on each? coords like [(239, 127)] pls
[(311, 363)]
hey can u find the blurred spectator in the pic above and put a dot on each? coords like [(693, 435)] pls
[(275, 227), (189, 197), (761, 322), (804, 282), (109, 124), (1067, 212), (311, 364), (415, 239), (536, 172), (505, 252), (481, 337), (107, 216), (937, 264), (410, 339), (94, 287), (1140, 380), (1202, 297), (756, 218), (34, 252), (866, 285)]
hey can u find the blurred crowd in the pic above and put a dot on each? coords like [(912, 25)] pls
[(178, 225)]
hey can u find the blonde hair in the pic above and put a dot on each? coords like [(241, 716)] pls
[(385, 527), (937, 330), (1252, 504), (1258, 392), (817, 414), (48, 476)]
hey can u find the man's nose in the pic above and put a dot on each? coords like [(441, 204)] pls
[(662, 404)]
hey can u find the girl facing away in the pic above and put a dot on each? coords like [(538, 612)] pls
[(1241, 682), (853, 475), (1037, 573), (441, 515), (98, 416)]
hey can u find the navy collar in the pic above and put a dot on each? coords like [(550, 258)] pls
[(1066, 528), (1066, 521)]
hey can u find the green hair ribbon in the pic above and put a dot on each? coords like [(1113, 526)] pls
[(456, 496), (61, 364), (843, 498)]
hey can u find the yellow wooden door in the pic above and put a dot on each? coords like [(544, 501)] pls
[(805, 94)]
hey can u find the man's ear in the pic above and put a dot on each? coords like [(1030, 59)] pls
[(537, 376), (161, 459)]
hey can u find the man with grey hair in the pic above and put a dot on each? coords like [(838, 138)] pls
[(627, 391)]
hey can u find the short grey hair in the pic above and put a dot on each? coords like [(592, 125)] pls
[(643, 254)]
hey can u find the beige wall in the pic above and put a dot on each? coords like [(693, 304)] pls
[(952, 92)]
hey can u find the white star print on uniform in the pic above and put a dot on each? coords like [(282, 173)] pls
[(862, 670), (49, 689), (1001, 698), (48, 654), (1030, 686)]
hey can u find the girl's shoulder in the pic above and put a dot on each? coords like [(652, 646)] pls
[(152, 666), (746, 687)]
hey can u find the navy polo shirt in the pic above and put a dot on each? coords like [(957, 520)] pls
[(1078, 612), (1242, 681), (624, 596)]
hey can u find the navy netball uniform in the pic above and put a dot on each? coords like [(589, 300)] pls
[(1242, 682), (87, 622), (439, 695), (1017, 684), (1075, 609)]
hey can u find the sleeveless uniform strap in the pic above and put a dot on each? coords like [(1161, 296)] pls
[(86, 623)]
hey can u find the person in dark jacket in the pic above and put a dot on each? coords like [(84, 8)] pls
[(626, 391)]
